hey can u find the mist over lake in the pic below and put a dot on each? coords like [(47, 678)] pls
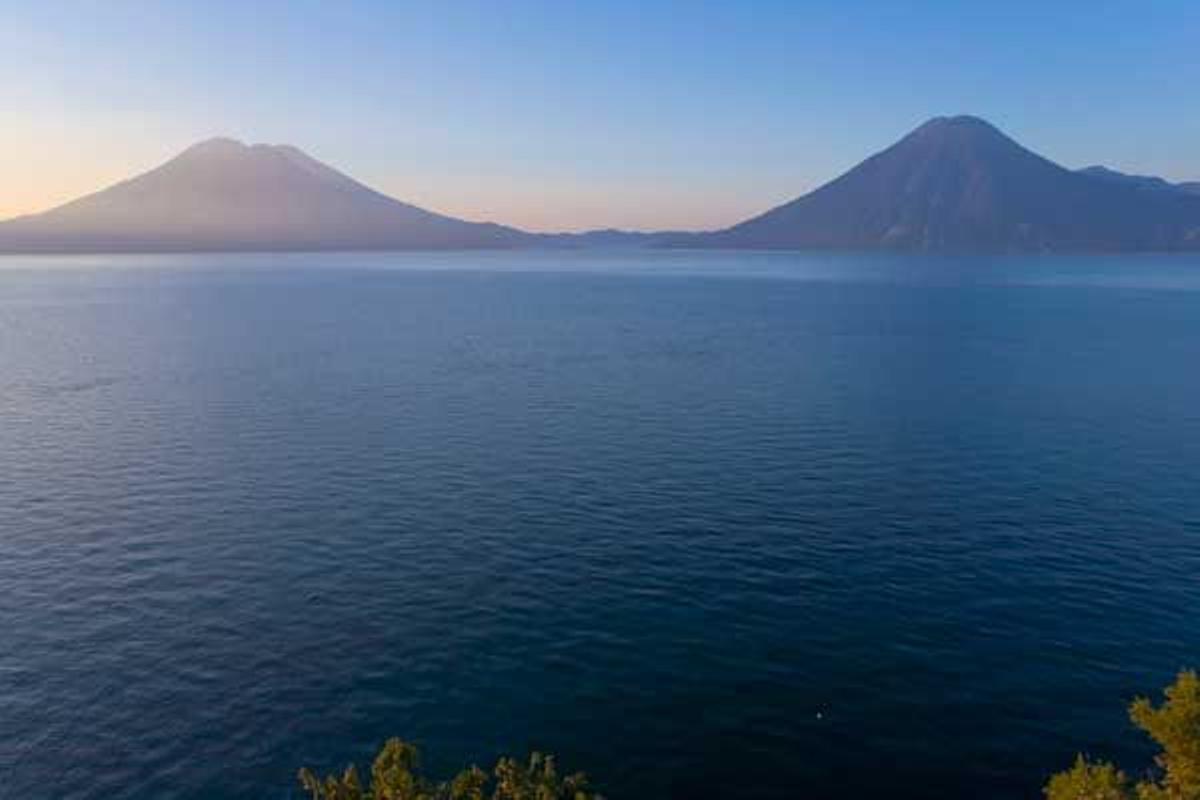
[(671, 515)]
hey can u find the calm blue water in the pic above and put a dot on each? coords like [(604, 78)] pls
[(655, 512)]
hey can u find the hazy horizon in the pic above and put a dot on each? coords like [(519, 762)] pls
[(554, 119)]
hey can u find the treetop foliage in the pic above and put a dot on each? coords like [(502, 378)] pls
[(1175, 726), (395, 775)]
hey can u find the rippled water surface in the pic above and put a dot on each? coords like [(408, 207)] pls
[(706, 525)]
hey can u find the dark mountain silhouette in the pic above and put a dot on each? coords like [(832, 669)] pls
[(225, 195), (1150, 182), (953, 184), (959, 184)]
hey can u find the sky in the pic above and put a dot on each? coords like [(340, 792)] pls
[(576, 115)]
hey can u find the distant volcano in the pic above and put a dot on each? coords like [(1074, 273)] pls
[(225, 195), (959, 184)]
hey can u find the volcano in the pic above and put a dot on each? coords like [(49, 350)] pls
[(959, 184), (222, 194)]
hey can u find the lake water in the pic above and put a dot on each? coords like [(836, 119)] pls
[(705, 525)]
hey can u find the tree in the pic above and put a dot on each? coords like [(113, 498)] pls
[(537, 780), (346, 787), (1089, 781), (395, 776), (1174, 726)]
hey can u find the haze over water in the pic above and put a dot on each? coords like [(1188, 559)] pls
[(849, 523)]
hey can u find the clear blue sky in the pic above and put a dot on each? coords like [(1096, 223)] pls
[(564, 115)]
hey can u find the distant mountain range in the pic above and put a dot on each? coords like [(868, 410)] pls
[(955, 184)]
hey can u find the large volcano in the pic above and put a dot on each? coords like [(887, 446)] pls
[(959, 184), (225, 195)]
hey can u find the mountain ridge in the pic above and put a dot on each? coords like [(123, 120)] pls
[(953, 184)]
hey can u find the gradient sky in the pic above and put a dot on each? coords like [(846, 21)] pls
[(564, 115)]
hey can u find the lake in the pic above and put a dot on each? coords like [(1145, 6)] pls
[(703, 524)]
